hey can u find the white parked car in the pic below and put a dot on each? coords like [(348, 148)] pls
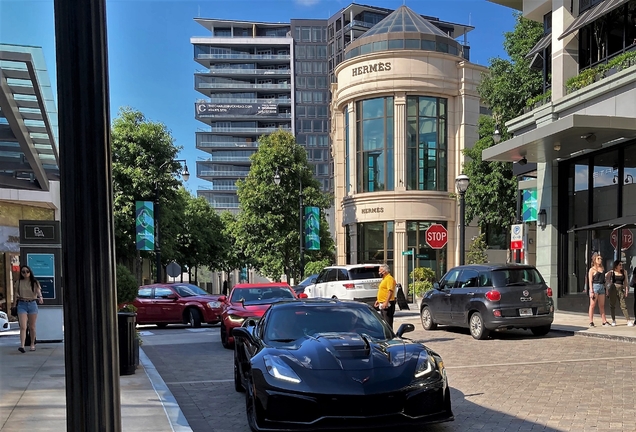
[(4, 321), (347, 282)]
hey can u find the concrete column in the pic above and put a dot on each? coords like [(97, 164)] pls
[(353, 157), (340, 181), (400, 263), (546, 239), (565, 55), (399, 143)]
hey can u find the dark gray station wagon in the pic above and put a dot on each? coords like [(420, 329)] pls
[(489, 297)]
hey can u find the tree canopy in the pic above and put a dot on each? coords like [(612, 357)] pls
[(505, 89), (269, 219)]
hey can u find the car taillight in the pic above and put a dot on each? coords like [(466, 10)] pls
[(549, 292), (493, 295), (349, 286)]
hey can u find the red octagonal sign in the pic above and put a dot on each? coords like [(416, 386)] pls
[(436, 236), (626, 242)]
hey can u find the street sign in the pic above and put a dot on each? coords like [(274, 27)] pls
[(626, 242), (436, 236), (173, 269), (408, 252), (516, 237)]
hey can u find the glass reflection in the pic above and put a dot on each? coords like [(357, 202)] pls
[(375, 144), (605, 192)]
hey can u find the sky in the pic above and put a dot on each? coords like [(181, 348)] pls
[(151, 60)]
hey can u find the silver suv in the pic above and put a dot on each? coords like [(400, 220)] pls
[(351, 282)]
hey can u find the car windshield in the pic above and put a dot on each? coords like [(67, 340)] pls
[(308, 281), (188, 290), (371, 272), (289, 323), (259, 295), (516, 277)]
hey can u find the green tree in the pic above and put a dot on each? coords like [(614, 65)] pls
[(505, 89), (315, 267), (477, 250), (423, 278), (268, 225), (232, 255), (143, 154)]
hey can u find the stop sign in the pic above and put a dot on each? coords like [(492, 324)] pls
[(436, 236), (626, 242)]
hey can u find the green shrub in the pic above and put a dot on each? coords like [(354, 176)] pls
[(315, 267), (589, 76), (542, 98), (127, 288), (423, 278)]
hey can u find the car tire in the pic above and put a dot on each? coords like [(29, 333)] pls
[(541, 330), (195, 318), (162, 325), (251, 409), (224, 337), (427, 319), (238, 385), (476, 326)]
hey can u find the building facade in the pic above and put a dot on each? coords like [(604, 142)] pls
[(29, 172), (582, 136), (404, 106)]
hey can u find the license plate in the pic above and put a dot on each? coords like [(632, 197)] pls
[(525, 312)]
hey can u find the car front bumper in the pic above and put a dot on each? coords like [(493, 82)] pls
[(410, 406)]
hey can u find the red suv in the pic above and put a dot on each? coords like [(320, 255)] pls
[(250, 301), (176, 303)]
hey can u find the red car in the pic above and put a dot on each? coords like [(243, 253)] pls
[(249, 301), (176, 303)]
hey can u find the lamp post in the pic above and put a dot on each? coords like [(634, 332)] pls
[(461, 183), (300, 221), (185, 174)]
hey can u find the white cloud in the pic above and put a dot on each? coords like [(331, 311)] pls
[(307, 2)]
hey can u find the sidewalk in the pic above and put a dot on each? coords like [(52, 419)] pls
[(33, 393)]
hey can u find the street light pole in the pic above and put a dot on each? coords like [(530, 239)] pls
[(461, 182), (185, 174)]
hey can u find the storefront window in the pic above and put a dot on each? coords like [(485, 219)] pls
[(374, 143), (375, 242), (426, 160), (424, 255), (629, 174), (605, 184)]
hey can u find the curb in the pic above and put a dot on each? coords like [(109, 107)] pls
[(583, 333)]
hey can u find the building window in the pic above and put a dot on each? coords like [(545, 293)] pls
[(426, 144), (375, 242), (374, 144)]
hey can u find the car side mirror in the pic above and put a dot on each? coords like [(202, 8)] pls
[(436, 285), (405, 328), (222, 299), (302, 295), (242, 333), (172, 296)]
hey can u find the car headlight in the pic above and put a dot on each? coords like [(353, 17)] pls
[(425, 365), (236, 318), (214, 305), (279, 369)]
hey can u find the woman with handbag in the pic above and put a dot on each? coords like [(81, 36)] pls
[(596, 278), (617, 288), (28, 293)]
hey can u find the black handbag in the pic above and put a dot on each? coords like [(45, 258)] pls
[(14, 311)]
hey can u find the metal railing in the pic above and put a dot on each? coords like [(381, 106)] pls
[(206, 144), (243, 86), (245, 72), (217, 173), (356, 23), (220, 187), (229, 159), (243, 56), (247, 129)]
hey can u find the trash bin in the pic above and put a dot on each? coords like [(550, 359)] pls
[(128, 346)]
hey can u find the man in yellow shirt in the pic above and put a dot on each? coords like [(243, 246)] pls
[(386, 295)]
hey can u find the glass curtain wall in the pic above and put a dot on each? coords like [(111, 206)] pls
[(426, 159), (375, 242), (374, 143)]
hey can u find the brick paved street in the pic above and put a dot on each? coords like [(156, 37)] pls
[(512, 382)]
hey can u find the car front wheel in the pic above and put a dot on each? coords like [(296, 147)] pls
[(238, 385), (541, 330), (477, 329), (427, 319), (195, 318), (251, 409), (224, 337)]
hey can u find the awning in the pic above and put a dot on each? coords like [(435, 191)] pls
[(612, 223), (571, 135), (543, 43), (592, 15)]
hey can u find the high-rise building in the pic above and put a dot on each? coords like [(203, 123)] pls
[(259, 77)]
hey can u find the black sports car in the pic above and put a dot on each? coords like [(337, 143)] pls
[(323, 364)]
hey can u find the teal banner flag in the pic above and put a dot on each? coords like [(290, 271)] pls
[(529, 205), (312, 228), (145, 225)]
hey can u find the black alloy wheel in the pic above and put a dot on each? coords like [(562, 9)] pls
[(427, 319), (238, 385), (250, 408), (195, 318)]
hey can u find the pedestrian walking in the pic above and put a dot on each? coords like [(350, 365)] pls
[(596, 278), (27, 293), (386, 295), (615, 282)]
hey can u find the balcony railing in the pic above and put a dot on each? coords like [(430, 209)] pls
[(356, 23), (229, 158), (217, 173), (247, 129), (240, 116), (245, 72), (283, 101), (224, 205), (220, 188), (243, 56), (205, 85), (206, 144)]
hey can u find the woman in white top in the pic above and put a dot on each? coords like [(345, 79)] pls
[(27, 294)]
